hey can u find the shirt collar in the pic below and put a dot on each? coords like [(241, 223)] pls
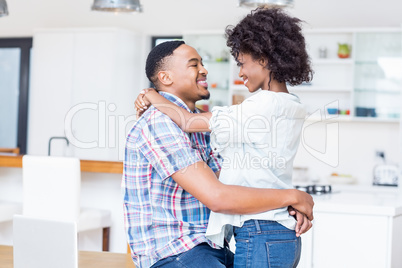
[(176, 100)]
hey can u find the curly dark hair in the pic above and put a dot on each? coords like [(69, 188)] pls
[(269, 33), (157, 58)]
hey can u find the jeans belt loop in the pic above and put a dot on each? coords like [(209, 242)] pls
[(257, 226)]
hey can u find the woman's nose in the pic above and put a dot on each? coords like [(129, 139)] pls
[(241, 72)]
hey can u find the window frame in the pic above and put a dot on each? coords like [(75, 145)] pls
[(25, 44)]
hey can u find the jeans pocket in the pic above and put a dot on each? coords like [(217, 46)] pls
[(241, 257), (283, 254)]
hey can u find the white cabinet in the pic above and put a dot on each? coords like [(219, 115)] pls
[(378, 68), (347, 240), (355, 229), (83, 86)]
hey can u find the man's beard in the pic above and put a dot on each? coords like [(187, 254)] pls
[(206, 97)]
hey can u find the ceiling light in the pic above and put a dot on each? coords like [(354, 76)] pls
[(117, 5), (256, 3), (3, 8)]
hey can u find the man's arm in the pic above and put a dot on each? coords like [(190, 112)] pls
[(201, 182)]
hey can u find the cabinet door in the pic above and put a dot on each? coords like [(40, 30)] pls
[(378, 74), (50, 90), (83, 86), (345, 240), (105, 85), (93, 79)]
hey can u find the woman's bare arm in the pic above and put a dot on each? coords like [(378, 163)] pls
[(187, 121)]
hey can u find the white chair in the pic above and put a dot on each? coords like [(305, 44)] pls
[(51, 189), (8, 209)]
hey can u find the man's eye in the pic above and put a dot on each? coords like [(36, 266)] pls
[(195, 65)]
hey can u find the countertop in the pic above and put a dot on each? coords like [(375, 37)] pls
[(14, 160), (365, 200)]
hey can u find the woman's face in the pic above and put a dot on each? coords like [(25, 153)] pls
[(253, 72)]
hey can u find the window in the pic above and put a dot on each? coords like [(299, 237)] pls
[(156, 40), (14, 85)]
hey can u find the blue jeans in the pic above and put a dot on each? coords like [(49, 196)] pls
[(201, 256), (266, 244)]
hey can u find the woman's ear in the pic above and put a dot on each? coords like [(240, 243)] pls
[(263, 62), (164, 78)]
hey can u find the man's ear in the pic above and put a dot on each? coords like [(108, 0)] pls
[(164, 78)]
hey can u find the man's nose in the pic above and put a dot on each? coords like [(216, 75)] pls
[(203, 70)]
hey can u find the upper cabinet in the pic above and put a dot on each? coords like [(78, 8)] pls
[(378, 74), (83, 86), (332, 58), (357, 72)]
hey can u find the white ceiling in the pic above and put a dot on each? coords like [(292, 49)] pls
[(167, 17)]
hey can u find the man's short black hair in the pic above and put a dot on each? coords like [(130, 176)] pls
[(156, 58)]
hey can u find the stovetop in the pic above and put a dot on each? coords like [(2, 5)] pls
[(315, 189)]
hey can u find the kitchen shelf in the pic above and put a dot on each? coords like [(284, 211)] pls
[(364, 62), (239, 87), (333, 61), (321, 89), (377, 91), (215, 62), (352, 119), (217, 88)]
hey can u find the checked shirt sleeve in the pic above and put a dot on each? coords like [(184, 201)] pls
[(167, 147)]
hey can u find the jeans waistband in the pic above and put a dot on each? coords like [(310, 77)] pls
[(257, 224)]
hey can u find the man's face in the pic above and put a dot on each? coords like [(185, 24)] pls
[(188, 74)]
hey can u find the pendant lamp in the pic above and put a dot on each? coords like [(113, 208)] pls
[(3, 8), (256, 3), (117, 6)]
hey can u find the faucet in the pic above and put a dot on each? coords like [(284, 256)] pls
[(54, 138)]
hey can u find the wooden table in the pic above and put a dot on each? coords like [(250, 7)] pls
[(86, 259)]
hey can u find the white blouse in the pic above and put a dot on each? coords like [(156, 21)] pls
[(258, 140)]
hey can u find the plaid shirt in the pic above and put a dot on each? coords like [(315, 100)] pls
[(161, 218)]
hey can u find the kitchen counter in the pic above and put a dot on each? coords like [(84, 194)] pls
[(375, 200), (13, 160), (355, 226)]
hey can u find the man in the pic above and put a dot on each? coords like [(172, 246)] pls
[(169, 181)]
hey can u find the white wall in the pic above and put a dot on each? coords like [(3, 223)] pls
[(349, 151)]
